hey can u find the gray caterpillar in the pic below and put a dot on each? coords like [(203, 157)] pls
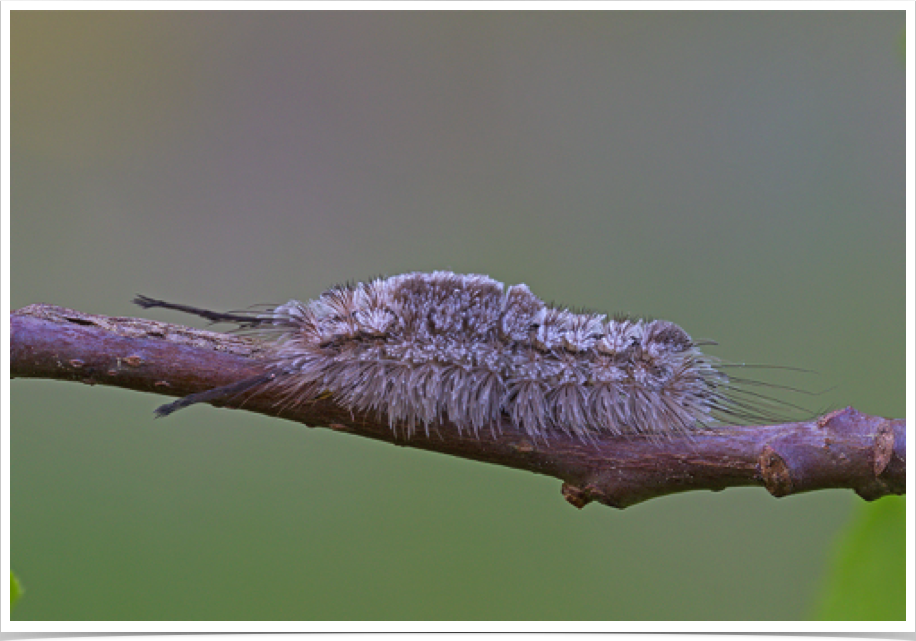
[(421, 349)]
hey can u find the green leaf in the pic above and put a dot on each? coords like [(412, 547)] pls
[(15, 590), (867, 577)]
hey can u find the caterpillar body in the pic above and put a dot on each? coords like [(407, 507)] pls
[(422, 349)]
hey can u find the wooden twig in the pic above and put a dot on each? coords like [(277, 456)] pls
[(843, 449)]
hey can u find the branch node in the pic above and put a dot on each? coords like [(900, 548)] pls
[(825, 420), (774, 472), (884, 447), (576, 496)]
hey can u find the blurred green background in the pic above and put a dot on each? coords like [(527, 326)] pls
[(739, 173)]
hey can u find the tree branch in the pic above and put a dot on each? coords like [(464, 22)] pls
[(843, 449)]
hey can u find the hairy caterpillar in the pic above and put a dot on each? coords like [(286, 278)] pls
[(421, 349)]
